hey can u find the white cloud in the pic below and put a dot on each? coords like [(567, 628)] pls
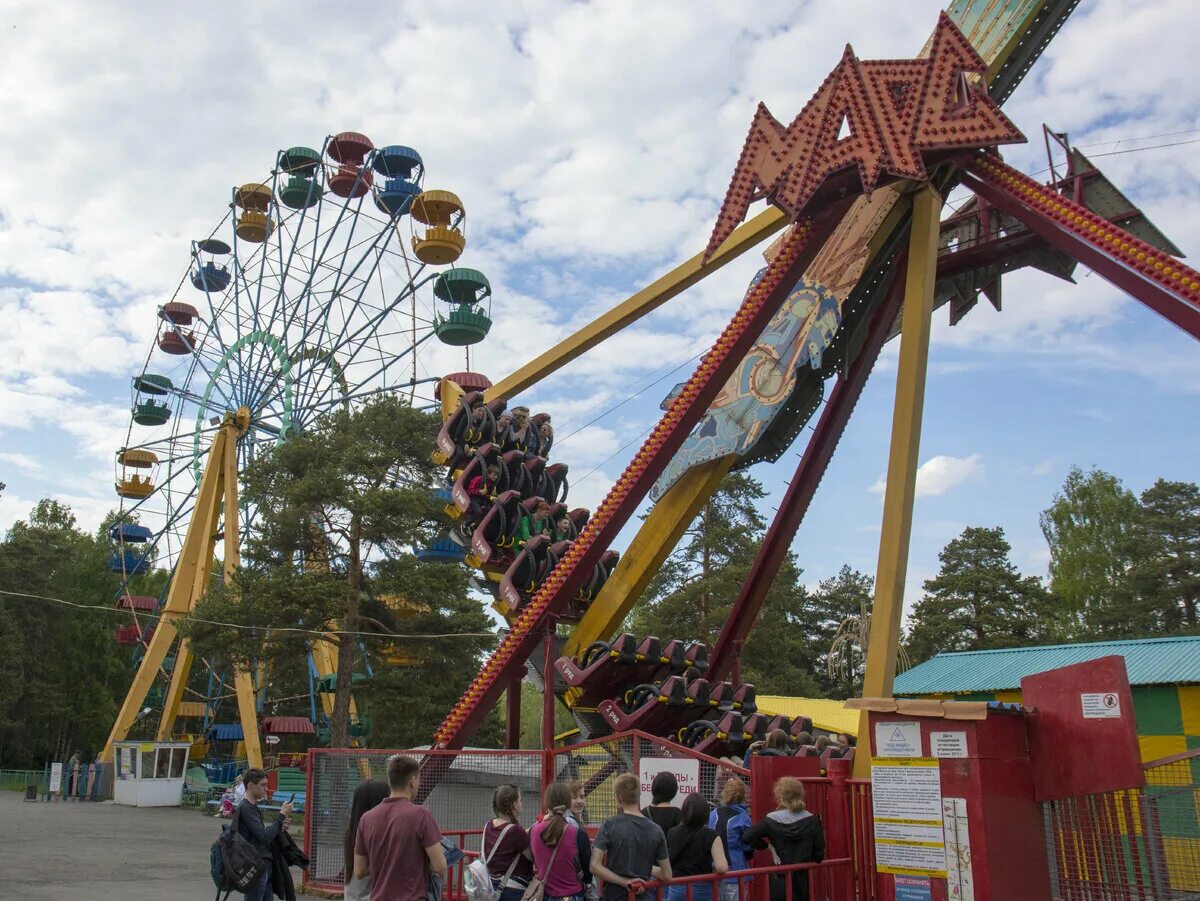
[(22, 461), (940, 474)]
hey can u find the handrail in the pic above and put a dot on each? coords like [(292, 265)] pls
[(740, 875)]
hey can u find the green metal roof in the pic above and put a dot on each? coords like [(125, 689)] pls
[(1151, 661)]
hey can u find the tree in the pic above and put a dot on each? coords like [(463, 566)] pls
[(1165, 568), (693, 592), (978, 600), (842, 619), (1089, 527), (61, 674), (339, 508)]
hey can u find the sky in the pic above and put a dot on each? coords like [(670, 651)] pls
[(591, 144)]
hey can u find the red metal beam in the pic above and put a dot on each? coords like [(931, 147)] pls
[(1154, 277), (799, 246), (805, 480)]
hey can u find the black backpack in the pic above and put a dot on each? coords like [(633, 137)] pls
[(233, 862)]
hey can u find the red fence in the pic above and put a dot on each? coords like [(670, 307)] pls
[(463, 783)]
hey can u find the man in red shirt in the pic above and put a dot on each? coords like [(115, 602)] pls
[(398, 843)]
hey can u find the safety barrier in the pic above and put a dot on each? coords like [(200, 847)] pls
[(831, 878), (465, 780), (1141, 844)]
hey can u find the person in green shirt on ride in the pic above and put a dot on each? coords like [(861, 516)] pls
[(531, 524)]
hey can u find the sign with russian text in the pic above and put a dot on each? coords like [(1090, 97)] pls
[(906, 798), (686, 772)]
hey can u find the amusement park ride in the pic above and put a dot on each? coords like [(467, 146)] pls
[(856, 184)]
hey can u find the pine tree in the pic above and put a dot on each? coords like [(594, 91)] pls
[(977, 601), (841, 610), (691, 596), (1166, 557)]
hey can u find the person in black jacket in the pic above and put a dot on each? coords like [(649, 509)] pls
[(794, 834), (252, 828)]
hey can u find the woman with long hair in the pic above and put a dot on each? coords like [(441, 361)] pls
[(367, 796), (793, 833), (695, 850), (561, 848), (505, 845)]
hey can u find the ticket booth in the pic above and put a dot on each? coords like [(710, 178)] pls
[(149, 773)]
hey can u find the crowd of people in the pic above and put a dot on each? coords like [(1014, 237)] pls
[(395, 851)]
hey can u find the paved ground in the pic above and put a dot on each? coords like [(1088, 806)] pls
[(102, 852)]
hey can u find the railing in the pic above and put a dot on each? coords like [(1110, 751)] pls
[(19, 780), (827, 879)]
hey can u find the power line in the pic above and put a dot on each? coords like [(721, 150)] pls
[(187, 617)]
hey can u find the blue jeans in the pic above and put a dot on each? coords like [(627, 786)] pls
[(262, 891), (729, 889), (701, 891)]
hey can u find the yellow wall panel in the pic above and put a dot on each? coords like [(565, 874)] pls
[(1189, 706), (1156, 746)]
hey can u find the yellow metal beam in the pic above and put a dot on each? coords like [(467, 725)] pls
[(195, 559), (179, 679), (638, 305), (655, 540), (902, 459), (243, 684)]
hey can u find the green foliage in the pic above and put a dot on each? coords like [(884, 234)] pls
[(62, 677), (692, 594), (1089, 527), (978, 600), (841, 614), (339, 508), (1165, 571)]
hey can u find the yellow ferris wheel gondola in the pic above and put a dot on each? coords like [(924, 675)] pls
[(130, 483), (442, 213)]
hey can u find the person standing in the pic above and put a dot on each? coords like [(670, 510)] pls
[(561, 848), (398, 843), (730, 821), (794, 834), (239, 788), (367, 797), (578, 803), (629, 846), (505, 845), (663, 790), (252, 828), (695, 850)]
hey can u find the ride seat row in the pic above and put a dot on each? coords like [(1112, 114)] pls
[(604, 669)]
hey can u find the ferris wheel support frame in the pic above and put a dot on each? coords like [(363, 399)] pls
[(216, 506)]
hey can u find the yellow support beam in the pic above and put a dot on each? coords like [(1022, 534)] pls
[(638, 305), (179, 679), (195, 559), (903, 455), (655, 540)]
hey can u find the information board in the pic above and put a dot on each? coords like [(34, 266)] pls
[(948, 744), (898, 739), (906, 796)]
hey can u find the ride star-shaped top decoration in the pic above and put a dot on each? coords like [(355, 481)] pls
[(885, 117)]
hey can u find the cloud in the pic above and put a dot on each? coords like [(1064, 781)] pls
[(22, 461), (940, 474)]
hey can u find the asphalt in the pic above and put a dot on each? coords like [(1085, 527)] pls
[(103, 852)]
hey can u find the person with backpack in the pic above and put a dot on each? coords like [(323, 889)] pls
[(367, 796), (629, 846), (251, 827), (794, 834), (695, 850), (505, 846), (730, 821), (398, 844), (561, 849)]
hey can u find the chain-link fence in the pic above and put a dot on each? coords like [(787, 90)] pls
[(1141, 844)]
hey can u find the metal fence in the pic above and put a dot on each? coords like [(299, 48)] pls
[(1141, 844)]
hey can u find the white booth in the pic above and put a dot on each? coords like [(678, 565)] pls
[(149, 773)]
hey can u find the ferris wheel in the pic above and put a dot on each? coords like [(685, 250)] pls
[(321, 287)]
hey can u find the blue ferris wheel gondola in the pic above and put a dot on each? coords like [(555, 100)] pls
[(129, 533), (130, 563)]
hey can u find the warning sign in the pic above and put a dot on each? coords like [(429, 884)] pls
[(912, 888), (906, 796), (687, 774), (897, 739), (1101, 705)]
